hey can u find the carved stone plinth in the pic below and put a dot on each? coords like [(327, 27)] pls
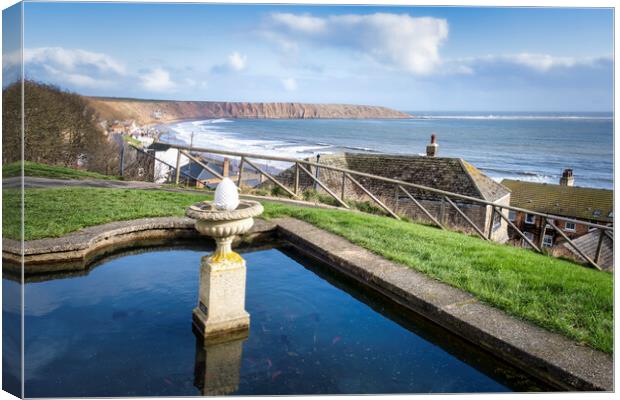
[(221, 297)]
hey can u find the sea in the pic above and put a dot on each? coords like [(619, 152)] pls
[(525, 146)]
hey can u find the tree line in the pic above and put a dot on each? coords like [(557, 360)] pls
[(60, 128)]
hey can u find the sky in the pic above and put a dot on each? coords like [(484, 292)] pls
[(408, 58)]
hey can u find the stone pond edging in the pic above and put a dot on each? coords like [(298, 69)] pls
[(77, 249), (549, 356)]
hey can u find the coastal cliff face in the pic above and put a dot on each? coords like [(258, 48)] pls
[(153, 111)]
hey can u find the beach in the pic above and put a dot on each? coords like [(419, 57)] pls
[(526, 146)]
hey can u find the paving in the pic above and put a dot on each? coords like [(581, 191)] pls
[(38, 182)]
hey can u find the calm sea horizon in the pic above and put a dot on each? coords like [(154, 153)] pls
[(531, 146)]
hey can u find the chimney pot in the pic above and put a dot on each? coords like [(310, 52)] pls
[(567, 178), (431, 148)]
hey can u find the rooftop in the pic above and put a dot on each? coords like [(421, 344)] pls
[(444, 173), (568, 201)]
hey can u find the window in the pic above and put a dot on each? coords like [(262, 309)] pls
[(497, 221), (548, 241), (570, 226), (530, 219), (512, 215), (528, 235)]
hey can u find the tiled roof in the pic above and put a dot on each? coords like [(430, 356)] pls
[(588, 243), (569, 201), (490, 189)]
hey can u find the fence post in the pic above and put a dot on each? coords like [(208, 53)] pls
[(178, 170), (318, 157), (344, 181), (239, 180), (542, 232), (491, 223), (296, 178), (122, 166), (599, 246), (396, 192)]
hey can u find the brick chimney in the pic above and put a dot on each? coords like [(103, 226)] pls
[(431, 148), (567, 178), (226, 167)]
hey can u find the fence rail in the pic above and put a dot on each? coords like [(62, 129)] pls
[(303, 167)]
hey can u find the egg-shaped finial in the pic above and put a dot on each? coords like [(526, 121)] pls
[(226, 195)]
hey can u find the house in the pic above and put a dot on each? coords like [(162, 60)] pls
[(563, 200), (200, 175), (445, 173)]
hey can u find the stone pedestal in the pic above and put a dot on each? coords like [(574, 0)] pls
[(221, 296), (218, 362)]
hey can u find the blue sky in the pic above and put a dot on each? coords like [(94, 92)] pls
[(409, 58)]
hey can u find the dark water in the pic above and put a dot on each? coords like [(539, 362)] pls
[(526, 146), (125, 329)]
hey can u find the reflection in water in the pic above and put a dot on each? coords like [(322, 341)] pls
[(218, 363), (128, 324)]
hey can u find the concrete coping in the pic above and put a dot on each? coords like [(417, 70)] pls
[(549, 356), (77, 249)]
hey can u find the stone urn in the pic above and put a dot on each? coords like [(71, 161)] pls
[(221, 297), (224, 225)]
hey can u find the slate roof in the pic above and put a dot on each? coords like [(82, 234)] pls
[(588, 244), (445, 173), (197, 171), (568, 201)]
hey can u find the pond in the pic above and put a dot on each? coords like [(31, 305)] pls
[(125, 329)]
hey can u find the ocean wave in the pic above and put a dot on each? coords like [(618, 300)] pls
[(525, 178), (514, 172), (208, 136), (360, 148), (291, 149)]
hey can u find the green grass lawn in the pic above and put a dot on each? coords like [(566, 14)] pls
[(51, 171), (556, 294)]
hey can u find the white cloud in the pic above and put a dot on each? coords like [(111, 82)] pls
[(72, 60), (289, 84), (535, 62), (237, 61), (400, 40), (157, 80), (73, 66), (303, 23), (76, 79)]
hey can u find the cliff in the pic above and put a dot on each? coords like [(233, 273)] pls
[(160, 111)]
